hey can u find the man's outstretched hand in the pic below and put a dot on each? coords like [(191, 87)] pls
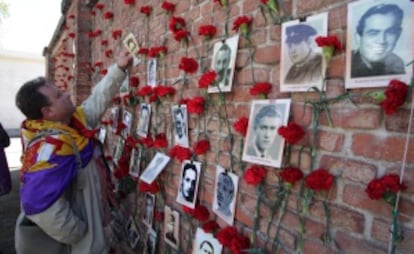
[(124, 60)]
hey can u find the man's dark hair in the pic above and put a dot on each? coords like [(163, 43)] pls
[(189, 166), (382, 9), (30, 101), (268, 110), (207, 243)]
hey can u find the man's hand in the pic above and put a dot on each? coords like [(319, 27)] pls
[(124, 60)]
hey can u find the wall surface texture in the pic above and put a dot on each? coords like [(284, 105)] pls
[(360, 144)]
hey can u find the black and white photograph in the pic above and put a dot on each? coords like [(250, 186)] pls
[(152, 72), (206, 243), (302, 64), (190, 175), (149, 209), (116, 117), (151, 242), (223, 63), (179, 118), (380, 42), (144, 120), (102, 135), (263, 145), (155, 167), (132, 232), (131, 44), (171, 227), (135, 162), (127, 121), (119, 149), (225, 194)]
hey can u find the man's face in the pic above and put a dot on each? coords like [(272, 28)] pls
[(179, 125), (149, 207), (188, 184), (222, 60), (225, 191), (61, 107), (266, 132), (379, 37), (299, 52)]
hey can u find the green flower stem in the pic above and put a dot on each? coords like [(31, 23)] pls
[(223, 103), (259, 191), (198, 128), (328, 236), (226, 24), (241, 155), (396, 236), (282, 210)]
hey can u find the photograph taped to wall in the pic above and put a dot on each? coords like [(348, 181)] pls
[(119, 149), (152, 72), (223, 63), (225, 194), (301, 63), (144, 119), (180, 121), (132, 46), (206, 243), (263, 145), (188, 188), (380, 43), (155, 167), (132, 232), (151, 242), (149, 209), (135, 162), (127, 121), (115, 116), (171, 227)]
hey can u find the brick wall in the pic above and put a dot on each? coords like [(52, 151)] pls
[(361, 144)]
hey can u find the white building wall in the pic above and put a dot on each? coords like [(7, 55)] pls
[(15, 69)]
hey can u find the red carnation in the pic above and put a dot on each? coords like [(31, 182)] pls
[(134, 81), (182, 36), (292, 133), (108, 15), (108, 53), (239, 244), (157, 51), (129, 2), (159, 216), (153, 188), (98, 64), (226, 235), (146, 10), (104, 71), (196, 105), (153, 98), (148, 142), (162, 91), (319, 180), (71, 35), (116, 34), (385, 187), (144, 91), (375, 189), (201, 213), (116, 100), (254, 175), (160, 141), (188, 210), (241, 125), (291, 175), (181, 153), (168, 7), (242, 23), (392, 183), (99, 6), (143, 51), (221, 2), (188, 65), (201, 147), (207, 79), (210, 226), (329, 41), (395, 96), (261, 88), (208, 31), (176, 24), (104, 43)]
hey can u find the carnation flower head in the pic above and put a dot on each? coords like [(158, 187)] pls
[(329, 45), (146, 10), (181, 153), (108, 15), (207, 79), (188, 64), (385, 187), (176, 24), (196, 105), (153, 188), (129, 2), (292, 133), (226, 235), (168, 7), (261, 89), (160, 141), (144, 91), (116, 34), (242, 24), (291, 175), (395, 96), (241, 125), (201, 147), (201, 213), (239, 244), (208, 31), (319, 180), (254, 175), (182, 36), (271, 4), (210, 226)]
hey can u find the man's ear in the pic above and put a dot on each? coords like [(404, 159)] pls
[(47, 112)]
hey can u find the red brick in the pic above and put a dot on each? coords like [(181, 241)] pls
[(352, 117), (267, 55), (357, 244), (330, 141), (399, 121)]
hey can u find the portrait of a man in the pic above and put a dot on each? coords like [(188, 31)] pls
[(132, 231), (127, 120), (171, 227), (119, 149), (135, 162), (152, 72), (302, 64), (223, 63), (379, 44), (179, 117), (263, 145), (225, 193), (149, 209), (144, 120), (115, 116), (155, 167), (151, 242), (190, 175), (205, 243)]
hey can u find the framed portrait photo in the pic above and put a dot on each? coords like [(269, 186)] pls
[(380, 42), (132, 46), (223, 63), (171, 227), (152, 72), (144, 119), (180, 121), (188, 188), (119, 149), (127, 121), (301, 61), (155, 167), (263, 145), (149, 209), (206, 243), (132, 232), (151, 242), (115, 116), (225, 194), (135, 162)]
